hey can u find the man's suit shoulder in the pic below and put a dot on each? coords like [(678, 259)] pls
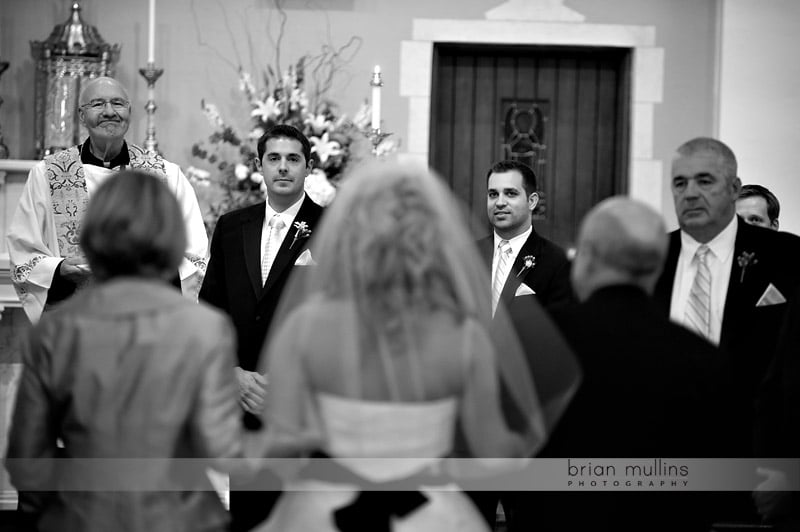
[(241, 214), (782, 249), (550, 248), (311, 208)]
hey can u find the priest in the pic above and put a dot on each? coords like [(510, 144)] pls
[(47, 265)]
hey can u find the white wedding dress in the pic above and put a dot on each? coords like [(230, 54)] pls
[(380, 441)]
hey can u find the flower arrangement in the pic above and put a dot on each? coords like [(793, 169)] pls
[(232, 180)]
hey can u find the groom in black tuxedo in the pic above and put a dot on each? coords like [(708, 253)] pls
[(253, 252)]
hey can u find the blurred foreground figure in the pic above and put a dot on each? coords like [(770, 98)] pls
[(389, 350), (126, 369), (650, 387)]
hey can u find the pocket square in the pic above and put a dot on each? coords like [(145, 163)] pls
[(771, 296), (524, 290), (305, 259)]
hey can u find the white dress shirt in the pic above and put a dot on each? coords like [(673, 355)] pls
[(516, 244), (720, 261), (286, 216)]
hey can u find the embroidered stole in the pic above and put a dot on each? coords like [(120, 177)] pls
[(68, 195)]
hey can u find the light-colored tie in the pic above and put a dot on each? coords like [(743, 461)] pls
[(271, 246), (501, 272), (698, 308)]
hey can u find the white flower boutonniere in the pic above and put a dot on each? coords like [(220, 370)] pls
[(744, 260), (528, 262), (302, 231)]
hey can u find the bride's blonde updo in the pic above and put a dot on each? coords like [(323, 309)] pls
[(395, 247)]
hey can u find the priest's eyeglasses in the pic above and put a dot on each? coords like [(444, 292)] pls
[(118, 104)]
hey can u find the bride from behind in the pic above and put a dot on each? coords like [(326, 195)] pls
[(384, 350)]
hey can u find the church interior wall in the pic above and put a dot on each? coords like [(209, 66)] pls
[(759, 100), (199, 43)]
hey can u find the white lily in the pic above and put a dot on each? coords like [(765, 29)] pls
[(256, 134), (362, 117), (198, 175), (241, 171), (318, 123), (324, 147), (246, 84), (266, 109), (318, 188), (298, 99), (212, 114)]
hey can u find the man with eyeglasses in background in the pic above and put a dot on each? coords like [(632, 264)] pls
[(46, 263)]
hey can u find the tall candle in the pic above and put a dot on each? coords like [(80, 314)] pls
[(376, 97), (151, 33)]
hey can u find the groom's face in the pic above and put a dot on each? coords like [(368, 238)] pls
[(284, 168)]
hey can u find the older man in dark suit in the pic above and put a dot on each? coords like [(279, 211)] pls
[(729, 282), (253, 252), (723, 278)]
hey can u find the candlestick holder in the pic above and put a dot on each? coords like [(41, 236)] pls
[(151, 75), (376, 136), (3, 147)]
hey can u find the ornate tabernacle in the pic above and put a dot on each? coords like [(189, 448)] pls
[(73, 54)]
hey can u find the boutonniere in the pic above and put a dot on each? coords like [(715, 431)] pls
[(302, 231), (744, 260), (527, 263)]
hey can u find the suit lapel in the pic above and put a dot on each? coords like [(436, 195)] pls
[(663, 291), (251, 243), (532, 246), (739, 287)]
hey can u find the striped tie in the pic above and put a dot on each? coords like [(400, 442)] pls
[(500, 273), (698, 308), (271, 246)]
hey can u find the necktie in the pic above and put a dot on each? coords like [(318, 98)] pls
[(271, 246), (500, 273), (698, 308)]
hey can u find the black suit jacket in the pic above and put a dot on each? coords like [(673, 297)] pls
[(649, 389), (749, 333), (778, 404), (233, 277), (649, 386), (549, 277)]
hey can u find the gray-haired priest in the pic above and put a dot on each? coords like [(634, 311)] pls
[(46, 263)]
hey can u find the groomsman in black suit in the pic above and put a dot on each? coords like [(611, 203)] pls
[(529, 273), (527, 262), (253, 252), (650, 388), (729, 282)]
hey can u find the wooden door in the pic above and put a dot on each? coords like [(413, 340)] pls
[(563, 110)]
